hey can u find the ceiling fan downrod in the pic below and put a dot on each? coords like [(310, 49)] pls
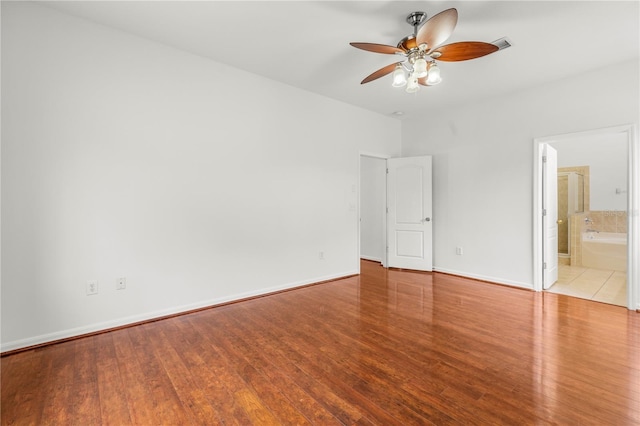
[(415, 19)]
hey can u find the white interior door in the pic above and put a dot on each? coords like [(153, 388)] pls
[(550, 216), (410, 225)]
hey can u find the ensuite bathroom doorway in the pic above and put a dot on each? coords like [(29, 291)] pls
[(594, 232)]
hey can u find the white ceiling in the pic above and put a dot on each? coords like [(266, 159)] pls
[(306, 43)]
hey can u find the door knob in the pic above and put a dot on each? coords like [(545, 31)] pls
[(427, 219), (559, 221)]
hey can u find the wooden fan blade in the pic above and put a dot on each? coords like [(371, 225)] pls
[(377, 48), (380, 73), (464, 51), (423, 81), (438, 28)]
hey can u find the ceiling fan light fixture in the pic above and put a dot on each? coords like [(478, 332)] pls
[(422, 48), (433, 75), (412, 84), (399, 78), (420, 67)]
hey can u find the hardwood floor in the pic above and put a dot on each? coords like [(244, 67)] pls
[(385, 347)]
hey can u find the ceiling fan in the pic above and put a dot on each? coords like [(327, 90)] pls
[(421, 50)]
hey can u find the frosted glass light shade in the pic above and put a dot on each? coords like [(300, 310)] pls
[(420, 67), (434, 75), (399, 79), (412, 84)]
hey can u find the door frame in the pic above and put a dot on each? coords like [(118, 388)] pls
[(384, 212), (633, 206), (550, 219)]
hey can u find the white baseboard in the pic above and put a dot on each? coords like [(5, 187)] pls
[(133, 319), (485, 278)]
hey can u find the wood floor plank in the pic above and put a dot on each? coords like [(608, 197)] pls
[(272, 366), (136, 390), (58, 387), (114, 408), (290, 358), (85, 399), (384, 370), (193, 398), (386, 347), (264, 392), (310, 353), (212, 373), (283, 361), (166, 403), (301, 401), (226, 383), (361, 376), (18, 406), (258, 413)]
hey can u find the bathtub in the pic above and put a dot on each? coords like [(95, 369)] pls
[(604, 250)]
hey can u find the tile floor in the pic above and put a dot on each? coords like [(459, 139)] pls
[(593, 284)]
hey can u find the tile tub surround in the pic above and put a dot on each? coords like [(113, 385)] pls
[(605, 250), (607, 221), (601, 220), (576, 225)]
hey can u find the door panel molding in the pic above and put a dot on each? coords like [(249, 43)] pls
[(409, 202)]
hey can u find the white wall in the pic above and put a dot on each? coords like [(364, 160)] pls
[(372, 205), (483, 166), (606, 155), (197, 182)]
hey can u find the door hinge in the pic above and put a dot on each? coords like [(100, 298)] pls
[(544, 265), (387, 170), (387, 209), (544, 212), (544, 158)]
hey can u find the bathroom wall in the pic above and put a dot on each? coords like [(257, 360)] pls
[(606, 156)]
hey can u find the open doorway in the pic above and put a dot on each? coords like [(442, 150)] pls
[(602, 239), (396, 211), (373, 202)]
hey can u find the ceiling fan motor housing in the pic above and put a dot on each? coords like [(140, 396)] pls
[(415, 19)]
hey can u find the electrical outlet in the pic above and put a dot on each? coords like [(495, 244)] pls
[(321, 255), (121, 283), (92, 287), (459, 251)]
